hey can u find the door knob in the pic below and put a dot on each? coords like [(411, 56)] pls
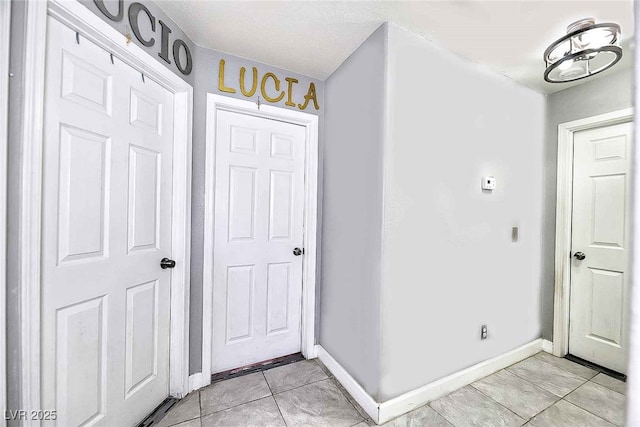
[(298, 251), (579, 256), (167, 263)]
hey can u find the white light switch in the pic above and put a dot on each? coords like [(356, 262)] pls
[(488, 183)]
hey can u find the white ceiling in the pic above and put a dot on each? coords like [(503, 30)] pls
[(314, 37)]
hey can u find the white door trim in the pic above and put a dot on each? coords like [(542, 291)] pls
[(564, 201), (310, 122), (30, 203), (5, 28), (91, 27)]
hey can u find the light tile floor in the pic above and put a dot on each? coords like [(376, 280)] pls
[(542, 390)]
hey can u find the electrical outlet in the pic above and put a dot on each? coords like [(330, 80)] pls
[(483, 332)]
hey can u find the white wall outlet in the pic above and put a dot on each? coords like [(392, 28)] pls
[(488, 183), (484, 332)]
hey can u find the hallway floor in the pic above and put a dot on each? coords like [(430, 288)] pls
[(542, 390)]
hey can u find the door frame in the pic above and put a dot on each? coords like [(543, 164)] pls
[(310, 122), (5, 30), (564, 207), (92, 28)]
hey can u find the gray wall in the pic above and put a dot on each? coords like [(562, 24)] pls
[(613, 91), (145, 29), (354, 133), (206, 81), (449, 265)]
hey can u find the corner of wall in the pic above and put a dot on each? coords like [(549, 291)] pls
[(387, 120), (352, 211)]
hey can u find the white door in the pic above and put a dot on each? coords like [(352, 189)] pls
[(259, 197), (107, 188), (599, 310)]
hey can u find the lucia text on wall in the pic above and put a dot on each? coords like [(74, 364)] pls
[(270, 87)]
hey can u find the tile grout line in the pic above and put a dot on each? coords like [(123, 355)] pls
[(525, 380), (274, 399), (235, 406), (565, 370), (345, 393), (539, 387), (349, 400), (610, 389), (436, 411), (183, 421), (297, 387), (190, 419), (347, 396), (574, 390), (586, 410), (315, 382), (534, 385), (558, 398), (428, 404), (500, 404), (326, 370), (324, 379), (260, 398), (567, 394)]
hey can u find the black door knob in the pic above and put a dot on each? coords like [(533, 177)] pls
[(167, 263), (298, 251), (579, 256)]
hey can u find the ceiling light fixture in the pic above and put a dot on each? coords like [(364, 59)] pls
[(587, 49)]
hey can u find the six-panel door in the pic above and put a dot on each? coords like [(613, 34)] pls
[(107, 188), (259, 196), (599, 310)]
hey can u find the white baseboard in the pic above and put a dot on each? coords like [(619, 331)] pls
[(386, 411), (197, 381), (356, 391), (406, 402), (547, 346)]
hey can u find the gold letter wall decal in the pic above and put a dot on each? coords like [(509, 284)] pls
[(290, 81), (277, 84), (221, 86), (311, 94), (254, 85), (272, 97)]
